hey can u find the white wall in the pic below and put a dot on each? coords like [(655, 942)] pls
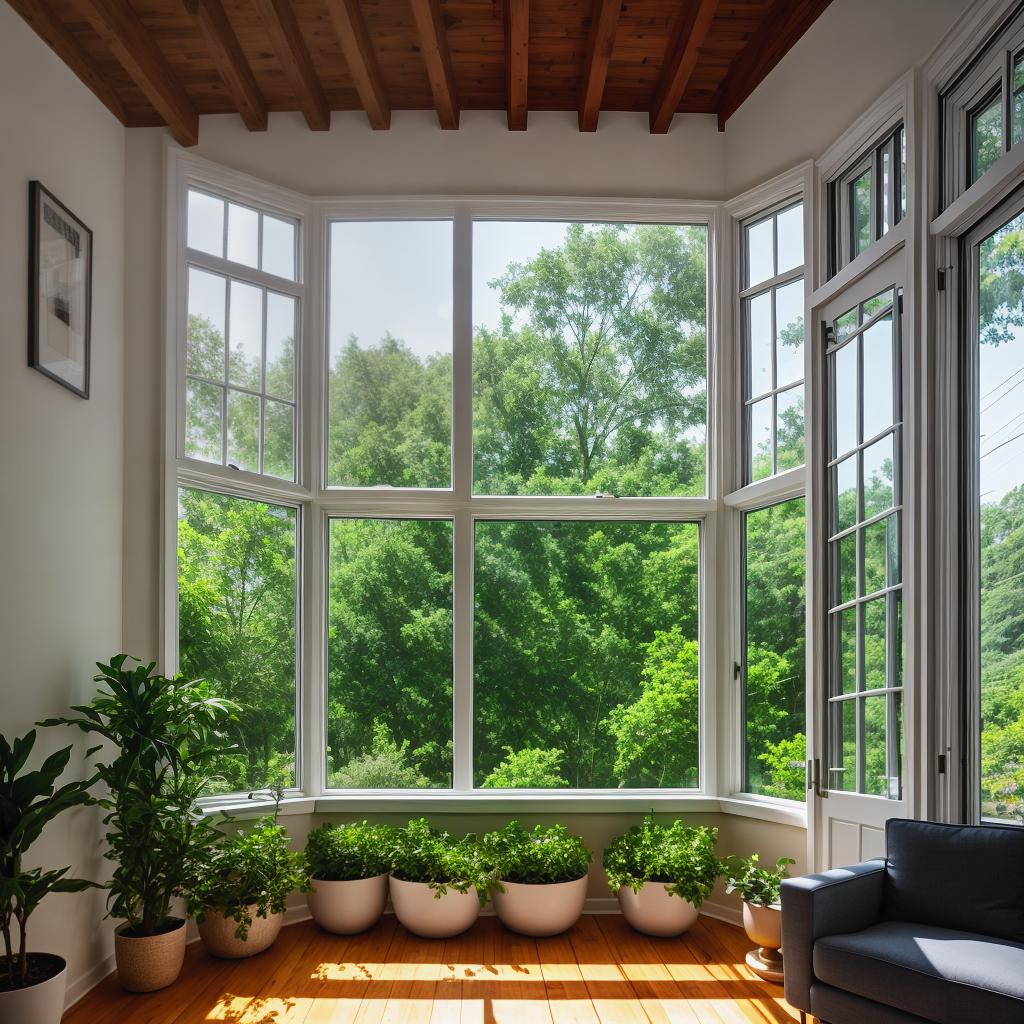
[(60, 456)]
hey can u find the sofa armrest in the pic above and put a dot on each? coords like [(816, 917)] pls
[(830, 903)]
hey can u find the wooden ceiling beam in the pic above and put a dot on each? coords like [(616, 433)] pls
[(362, 61), (517, 63), (230, 60), (603, 24), (783, 25), (293, 56), (51, 30), (434, 44), (119, 27), (680, 60)]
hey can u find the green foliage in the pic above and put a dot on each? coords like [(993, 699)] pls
[(529, 768), (29, 800), (425, 854), (253, 867), (385, 766), (540, 856), (683, 856), (757, 885), (784, 767), (164, 739), (342, 853)]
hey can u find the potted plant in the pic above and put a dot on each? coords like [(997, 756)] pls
[(163, 738), (438, 883), (761, 892), (540, 877), (240, 893), (32, 985), (662, 874), (348, 867)]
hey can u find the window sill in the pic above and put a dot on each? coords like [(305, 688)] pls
[(782, 812)]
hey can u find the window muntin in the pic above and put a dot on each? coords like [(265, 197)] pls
[(772, 326), (389, 654), (589, 358), (390, 354), (774, 708), (586, 655), (864, 485), (999, 477), (237, 599)]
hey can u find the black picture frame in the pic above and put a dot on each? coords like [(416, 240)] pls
[(59, 292)]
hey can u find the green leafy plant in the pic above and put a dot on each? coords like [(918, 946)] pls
[(28, 801), (681, 855), (426, 854), (164, 737), (757, 885), (540, 856), (252, 868), (342, 853)]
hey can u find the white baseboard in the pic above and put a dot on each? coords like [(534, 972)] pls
[(723, 912), (88, 981)]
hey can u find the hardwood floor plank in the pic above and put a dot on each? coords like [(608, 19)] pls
[(519, 996), (614, 998), (564, 985)]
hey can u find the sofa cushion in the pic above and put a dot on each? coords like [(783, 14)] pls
[(939, 974), (965, 877)]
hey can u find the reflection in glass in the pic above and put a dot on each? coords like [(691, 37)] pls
[(205, 230), (243, 435), (846, 575), (986, 136), (760, 254), (876, 775), (875, 655), (878, 477), (843, 760), (860, 219), (760, 419), (204, 344), (844, 484), (759, 326)]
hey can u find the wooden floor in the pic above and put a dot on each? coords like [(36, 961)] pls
[(602, 972)]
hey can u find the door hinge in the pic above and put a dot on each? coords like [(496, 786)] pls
[(940, 279), (942, 764), (737, 670)]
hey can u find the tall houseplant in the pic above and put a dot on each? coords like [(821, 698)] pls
[(163, 737), (32, 985)]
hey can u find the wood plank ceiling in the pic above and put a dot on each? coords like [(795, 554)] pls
[(167, 62)]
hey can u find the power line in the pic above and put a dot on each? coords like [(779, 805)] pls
[(1002, 382), (996, 401)]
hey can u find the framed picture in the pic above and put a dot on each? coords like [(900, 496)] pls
[(60, 291)]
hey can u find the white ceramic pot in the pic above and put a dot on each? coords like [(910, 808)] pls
[(541, 909), (654, 911), (763, 924), (218, 934), (149, 962), (423, 913), (37, 1004), (348, 907)]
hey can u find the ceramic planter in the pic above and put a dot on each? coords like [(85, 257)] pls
[(348, 907), (764, 926), (541, 909), (218, 933), (149, 962), (418, 908), (654, 911), (42, 1003)]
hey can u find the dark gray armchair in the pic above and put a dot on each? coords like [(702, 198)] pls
[(934, 932)]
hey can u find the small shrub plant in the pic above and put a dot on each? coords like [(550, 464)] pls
[(757, 885), (426, 854), (538, 856), (345, 853)]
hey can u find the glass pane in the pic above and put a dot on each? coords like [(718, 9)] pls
[(203, 421), (903, 172), (1001, 490), (874, 644), (774, 673), (759, 418), (1017, 128), (589, 358), (279, 247), (844, 398), (278, 440), (243, 235), (860, 212), (759, 350), (881, 554), (390, 382), (789, 429), (846, 325), (585, 655), (986, 137), (281, 321), (204, 351), (236, 626), (845, 625), (843, 759), (243, 431), (846, 589), (205, 223), (844, 491), (760, 252), (888, 185), (878, 477), (879, 378), (874, 305), (789, 341), (790, 228), (389, 654), (245, 335), (876, 775)]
